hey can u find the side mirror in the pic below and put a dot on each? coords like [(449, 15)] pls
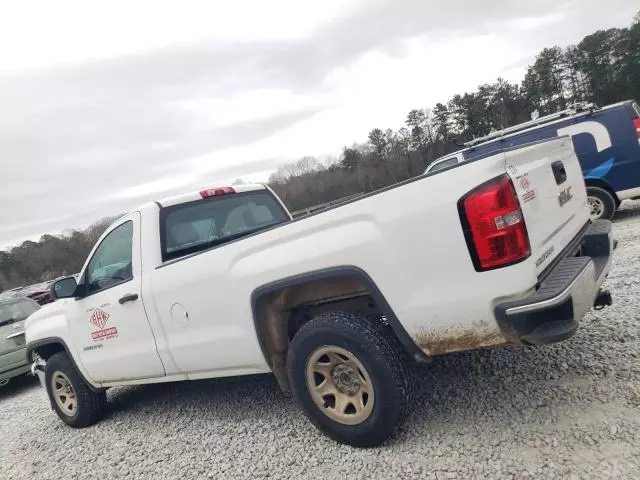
[(64, 288)]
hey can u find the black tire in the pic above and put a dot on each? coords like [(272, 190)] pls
[(601, 200), (90, 405), (385, 360)]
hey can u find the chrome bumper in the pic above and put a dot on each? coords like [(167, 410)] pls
[(554, 312)]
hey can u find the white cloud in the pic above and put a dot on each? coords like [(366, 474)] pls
[(536, 23), (155, 187), (35, 34), (208, 112), (379, 89)]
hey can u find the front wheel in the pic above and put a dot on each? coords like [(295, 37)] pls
[(75, 403), (351, 377), (601, 203)]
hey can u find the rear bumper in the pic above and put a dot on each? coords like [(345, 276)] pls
[(553, 312)]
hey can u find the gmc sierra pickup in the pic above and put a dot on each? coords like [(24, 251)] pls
[(338, 304)]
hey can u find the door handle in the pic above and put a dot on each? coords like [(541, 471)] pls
[(14, 335), (130, 297)]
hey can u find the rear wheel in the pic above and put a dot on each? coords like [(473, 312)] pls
[(75, 403), (351, 377), (601, 203)]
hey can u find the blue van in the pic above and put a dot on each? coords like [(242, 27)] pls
[(606, 141)]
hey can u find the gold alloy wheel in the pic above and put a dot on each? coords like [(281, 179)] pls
[(340, 385), (63, 393)]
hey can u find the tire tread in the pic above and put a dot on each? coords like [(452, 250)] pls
[(91, 405), (379, 339)]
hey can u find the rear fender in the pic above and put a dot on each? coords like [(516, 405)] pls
[(345, 271)]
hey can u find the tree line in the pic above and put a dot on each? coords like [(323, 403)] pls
[(603, 68), (50, 257)]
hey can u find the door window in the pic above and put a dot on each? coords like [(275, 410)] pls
[(111, 263)]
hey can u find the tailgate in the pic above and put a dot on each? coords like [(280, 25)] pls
[(550, 186)]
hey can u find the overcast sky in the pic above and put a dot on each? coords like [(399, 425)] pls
[(108, 104)]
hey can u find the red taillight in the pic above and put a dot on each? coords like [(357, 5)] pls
[(212, 192), (495, 225), (636, 124)]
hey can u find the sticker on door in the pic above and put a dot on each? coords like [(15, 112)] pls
[(99, 319)]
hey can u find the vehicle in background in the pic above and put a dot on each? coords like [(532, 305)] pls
[(606, 140), (13, 359), (40, 293), (11, 293), (337, 304)]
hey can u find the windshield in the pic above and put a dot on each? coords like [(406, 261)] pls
[(196, 226), (16, 311)]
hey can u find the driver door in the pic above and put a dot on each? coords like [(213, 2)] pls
[(108, 324)]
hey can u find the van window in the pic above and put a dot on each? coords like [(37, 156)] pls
[(636, 108), (194, 226), (444, 164)]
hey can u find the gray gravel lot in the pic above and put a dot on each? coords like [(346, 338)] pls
[(571, 410)]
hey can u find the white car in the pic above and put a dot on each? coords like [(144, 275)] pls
[(337, 304)]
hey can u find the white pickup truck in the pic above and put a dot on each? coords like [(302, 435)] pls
[(338, 304)]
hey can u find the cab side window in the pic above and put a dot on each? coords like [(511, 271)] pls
[(111, 263)]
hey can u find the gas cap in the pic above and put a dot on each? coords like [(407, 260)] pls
[(179, 316)]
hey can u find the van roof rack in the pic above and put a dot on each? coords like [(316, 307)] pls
[(575, 108)]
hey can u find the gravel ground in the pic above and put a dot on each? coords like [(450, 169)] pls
[(570, 410)]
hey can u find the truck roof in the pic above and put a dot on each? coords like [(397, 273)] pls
[(210, 191)]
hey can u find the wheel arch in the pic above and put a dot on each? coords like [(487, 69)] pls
[(271, 304), (46, 347), (600, 183)]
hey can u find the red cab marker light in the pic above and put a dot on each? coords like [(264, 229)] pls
[(213, 192)]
